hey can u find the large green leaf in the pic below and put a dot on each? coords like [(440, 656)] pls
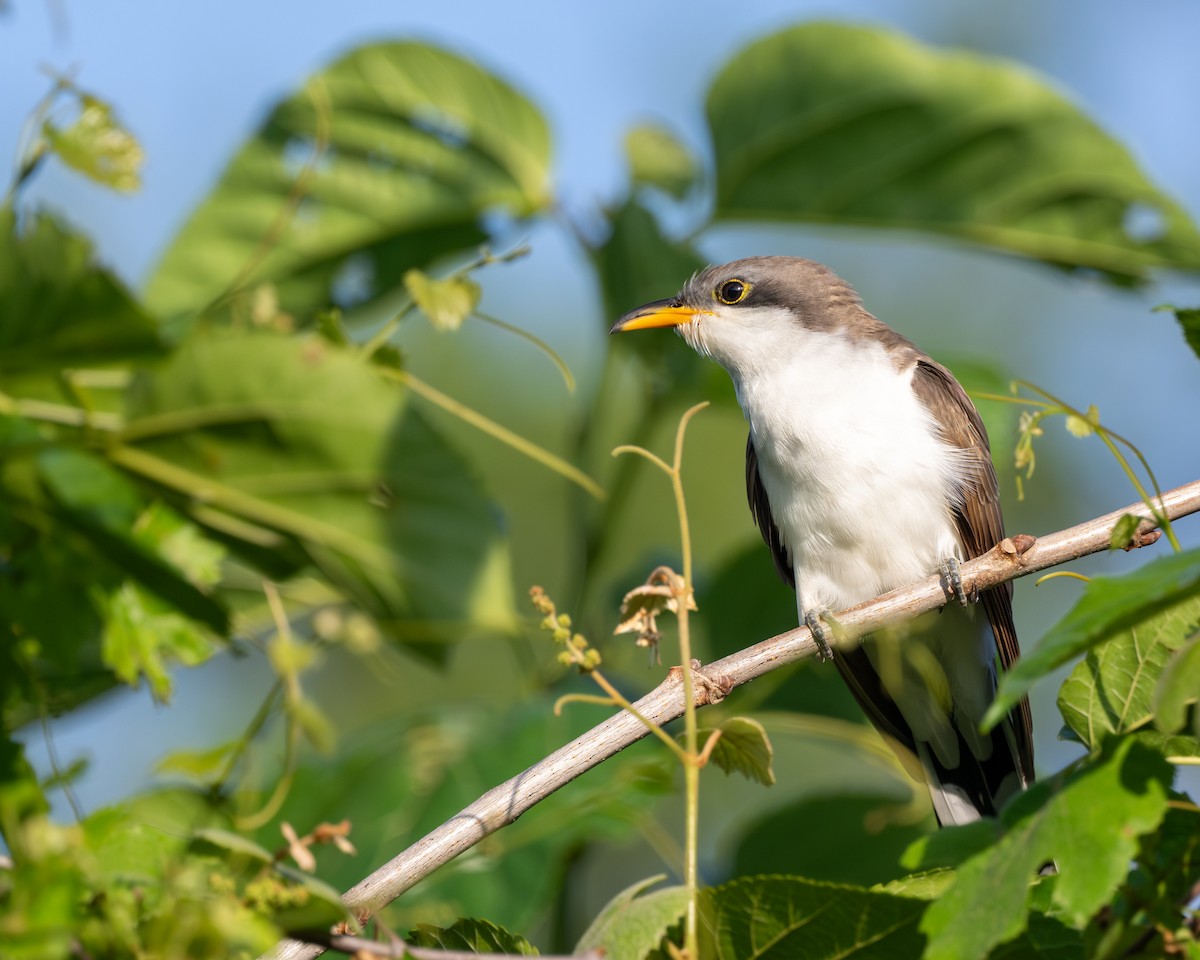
[(788, 917), (57, 306), (832, 123), (262, 436), (1088, 826), (633, 923), (1113, 688), (386, 160), (1109, 606)]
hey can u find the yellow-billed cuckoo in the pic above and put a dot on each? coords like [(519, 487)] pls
[(867, 467)]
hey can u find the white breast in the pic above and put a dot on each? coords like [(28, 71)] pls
[(859, 482)]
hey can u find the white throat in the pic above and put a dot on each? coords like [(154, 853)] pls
[(860, 482)]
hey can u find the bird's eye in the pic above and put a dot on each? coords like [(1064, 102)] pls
[(733, 291)]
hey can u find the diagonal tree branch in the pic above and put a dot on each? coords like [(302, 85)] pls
[(1014, 557)]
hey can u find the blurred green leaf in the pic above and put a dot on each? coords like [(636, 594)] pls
[(142, 635), (201, 765), (658, 159), (300, 437), (836, 123), (1123, 531), (57, 306), (1113, 689), (760, 917), (743, 747), (844, 838), (231, 842), (474, 936), (950, 846), (447, 303), (385, 161), (440, 762), (632, 925), (105, 506), (636, 264), (97, 146), (1178, 685), (1108, 606), (1088, 825)]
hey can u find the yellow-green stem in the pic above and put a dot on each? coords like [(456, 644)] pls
[(691, 768)]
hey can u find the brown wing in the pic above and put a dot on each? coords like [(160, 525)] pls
[(978, 518), (852, 663)]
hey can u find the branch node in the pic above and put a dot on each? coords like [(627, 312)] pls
[(1146, 534)]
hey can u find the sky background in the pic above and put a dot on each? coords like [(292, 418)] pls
[(193, 80)]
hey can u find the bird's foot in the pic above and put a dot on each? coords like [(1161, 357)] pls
[(820, 635), (952, 582)]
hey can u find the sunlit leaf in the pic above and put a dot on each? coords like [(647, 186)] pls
[(1178, 685), (385, 161), (1088, 825), (98, 146), (838, 123), (1109, 605), (447, 303), (1113, 689), (657, 158), (631, 926), (742, 747)]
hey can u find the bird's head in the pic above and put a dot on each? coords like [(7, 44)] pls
[(750, 312)]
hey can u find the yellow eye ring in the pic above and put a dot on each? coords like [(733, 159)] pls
[(732, 291)]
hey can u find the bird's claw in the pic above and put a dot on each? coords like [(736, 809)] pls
[(820, 635), (952, 581)]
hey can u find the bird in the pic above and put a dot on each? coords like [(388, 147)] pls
[(868, 468)]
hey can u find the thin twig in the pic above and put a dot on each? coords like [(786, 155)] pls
[(359, 946), (1014, 557)]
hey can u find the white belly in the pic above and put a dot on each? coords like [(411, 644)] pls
[(859, 483)]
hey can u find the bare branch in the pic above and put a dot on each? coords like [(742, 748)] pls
[(1015, 557)]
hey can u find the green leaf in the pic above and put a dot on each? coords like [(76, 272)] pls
[(950, 846), (97, 146), (1123, 531), (834, 123), (637, 263), (57, 306), (1113, 689), (760, 917), (1088, 825), (299, 437), (447, 303), (233, 843), (1108, 606), (202, 765), (385, 161), (141, 636), (475, 936), (105, 507), (1189, 320), (1178, 685), (658, 159), (633, 923), (743, 747)]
